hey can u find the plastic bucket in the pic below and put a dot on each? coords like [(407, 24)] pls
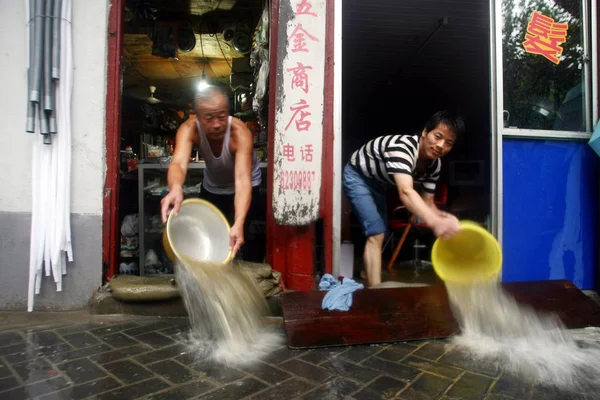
[(472, 255), (200, 232)]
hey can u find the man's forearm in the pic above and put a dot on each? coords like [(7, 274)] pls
[(175, 176), (431, 204), (417, 206), (241, 202)]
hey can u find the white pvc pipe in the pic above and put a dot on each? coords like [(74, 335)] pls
[(52, 205), (63, 150), (68, 66), (47, 209), (35, 260), (41, 211), (58, 223), (59, 181), (33, 246)]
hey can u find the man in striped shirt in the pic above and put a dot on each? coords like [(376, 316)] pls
[(407, 161)]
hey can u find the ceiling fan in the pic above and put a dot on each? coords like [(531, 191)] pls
[(151, 99), (147, 94)]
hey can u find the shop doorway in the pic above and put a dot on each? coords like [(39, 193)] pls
[(402, 62), (167, 49)]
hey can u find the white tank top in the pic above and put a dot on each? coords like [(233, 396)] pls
[(219, 175)]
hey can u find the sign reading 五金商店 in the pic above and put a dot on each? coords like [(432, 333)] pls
[(299, 112)]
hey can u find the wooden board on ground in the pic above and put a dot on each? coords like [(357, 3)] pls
[(415, 313)]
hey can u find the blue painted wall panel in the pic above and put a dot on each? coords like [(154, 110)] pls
[(551, 201)]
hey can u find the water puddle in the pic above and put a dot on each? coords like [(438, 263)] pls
[(498, 331)]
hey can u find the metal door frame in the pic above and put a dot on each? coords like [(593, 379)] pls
[(496, 103), (590, 25), (496, 83), (337, 137)]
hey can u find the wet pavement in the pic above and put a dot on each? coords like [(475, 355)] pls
[(77, 355)]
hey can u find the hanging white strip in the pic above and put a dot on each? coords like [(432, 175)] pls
[(37, 229), (52, 191), (68, 94), (42, 207), (33, 221), (47, 208), (59, 221)]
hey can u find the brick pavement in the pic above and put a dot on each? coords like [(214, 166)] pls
[(122, 357)]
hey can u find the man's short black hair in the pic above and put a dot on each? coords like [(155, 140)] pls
[(448, 118)]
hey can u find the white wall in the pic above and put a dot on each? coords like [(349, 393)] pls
[(84, 276), (90, 18), (15, 177), (89, 104)]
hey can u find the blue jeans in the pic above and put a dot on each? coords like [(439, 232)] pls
[(368, 199)]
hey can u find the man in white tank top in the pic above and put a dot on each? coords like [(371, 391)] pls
[(232, 170)]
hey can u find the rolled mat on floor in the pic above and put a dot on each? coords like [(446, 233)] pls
[(268, 280), (131, 288)]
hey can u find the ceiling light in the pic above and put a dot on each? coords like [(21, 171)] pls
[(203, 84)]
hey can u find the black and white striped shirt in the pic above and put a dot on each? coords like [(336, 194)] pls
[(385, 156)]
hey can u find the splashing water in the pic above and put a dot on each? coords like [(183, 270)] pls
[(226, 308), (496, 330)]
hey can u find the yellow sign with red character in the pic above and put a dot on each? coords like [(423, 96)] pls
[(544, 37)]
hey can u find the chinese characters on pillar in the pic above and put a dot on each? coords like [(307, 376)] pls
[(299, 112), (305, 151), (544, 37), (300, 119), (300, 77), (304, 7), (299, 116)]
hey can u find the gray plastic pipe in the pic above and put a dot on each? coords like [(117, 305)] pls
[(35, 94), (44, 128), (52, 127), (54, 61), (56, 23), (30, 123), (47, 74)]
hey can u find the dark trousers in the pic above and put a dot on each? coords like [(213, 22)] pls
[(225, 203)]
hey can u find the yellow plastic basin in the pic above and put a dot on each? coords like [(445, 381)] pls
[(472, 255), (200, 232)]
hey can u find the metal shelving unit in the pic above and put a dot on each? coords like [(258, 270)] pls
[(159, 171)]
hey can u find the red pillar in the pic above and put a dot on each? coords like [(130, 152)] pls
[(328, 167), (110, 215), (291, 249)]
